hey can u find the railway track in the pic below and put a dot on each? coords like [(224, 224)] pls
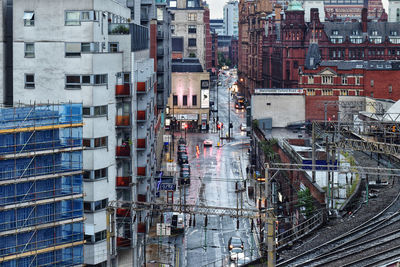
[(369, 236)]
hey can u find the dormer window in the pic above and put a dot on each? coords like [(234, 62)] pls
[(335, 32), (393, 33), (355, 32), (374, 33)]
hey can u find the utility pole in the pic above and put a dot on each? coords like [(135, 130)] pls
[(229, 114), (271, 249), (313, 152)]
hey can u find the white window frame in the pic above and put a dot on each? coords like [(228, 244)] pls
[(74, 22), (29, 18), (29, 54), (113, 43), (29, 85)]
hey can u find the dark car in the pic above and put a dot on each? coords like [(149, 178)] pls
[(185, 170), (235, 242), (181, 148), (183, 158), (185, 178), (185, 166), (181, 141)]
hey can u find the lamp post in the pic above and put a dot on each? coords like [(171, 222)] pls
[(229, 114)]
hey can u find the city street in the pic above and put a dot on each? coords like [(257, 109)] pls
[(214, 172)]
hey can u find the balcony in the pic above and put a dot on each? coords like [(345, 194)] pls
[(123, 242), (123, 151), (141, 144), (141, 198), (160, 34), (123, 213), (141, 228), (123, 181), (141, 171), (160, 52), (141, 87), (123, 90), (160, 68), (123, 121), (141, 116), (118, 28)]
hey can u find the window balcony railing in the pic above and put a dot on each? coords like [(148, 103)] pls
[(141, 87), (123, 212), (141, 171), (122, 90), (123, 181), (123, 120), (141, 116), (141, 143), (123, 151)]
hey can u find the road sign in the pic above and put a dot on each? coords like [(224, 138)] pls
[(163, 229), (171, 166), (167, 187), (167, 138)]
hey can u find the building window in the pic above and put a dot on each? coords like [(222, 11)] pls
[(72, 18), (372, 83), (101, 142), (344, 80), (357, 80), (29, 81), (190, 3), (194, 100), (95, 111), (184, 100), (29, 50), (75, 49), (310, 91), (390, 89), (76, 81), (172, 3), (95, 174), (192, 16), (29, 18), (327, 92), (99, 236), (335, 32), (91, 206), (175, 100), (172, 17), (192, 42), (310, 79), (172, 29), (374, 33), (192, 29), (343, 92), (113, 47), (160, 14), (327, 79)]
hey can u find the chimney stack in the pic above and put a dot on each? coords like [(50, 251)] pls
[(364, 19)]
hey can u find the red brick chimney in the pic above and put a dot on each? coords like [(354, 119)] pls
[(364, 19)]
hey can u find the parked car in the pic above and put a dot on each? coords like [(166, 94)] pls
[(243, 126), (207, 142), (235, 254), (235, 242), (181, 148), (181, 141)]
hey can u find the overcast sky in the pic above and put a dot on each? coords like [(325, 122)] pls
[(216, 8)]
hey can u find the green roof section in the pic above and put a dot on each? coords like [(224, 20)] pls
[(295, 6)]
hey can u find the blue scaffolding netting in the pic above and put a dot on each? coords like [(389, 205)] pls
[(41, 185)]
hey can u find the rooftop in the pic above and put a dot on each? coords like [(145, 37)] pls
[(186, 65)]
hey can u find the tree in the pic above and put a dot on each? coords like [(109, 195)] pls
[(305, 202)]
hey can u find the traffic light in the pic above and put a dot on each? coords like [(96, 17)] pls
[(186, 126), (394, 128), (231, 125), (219, 125)]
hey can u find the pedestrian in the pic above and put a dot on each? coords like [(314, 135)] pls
[(247, 169)]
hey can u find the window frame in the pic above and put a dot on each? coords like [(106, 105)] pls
[(67, 22), (175, 100), (110, 44), (192, 29), (184, 100), (189, 42), (29, 83), (29, 22), (27, 53), (194, 100)]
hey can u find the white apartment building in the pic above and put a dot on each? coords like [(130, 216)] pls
[(90, 52), (231, 18), (188, 23)]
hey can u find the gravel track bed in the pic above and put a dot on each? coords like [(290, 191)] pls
[(339, 226), (364, 253)]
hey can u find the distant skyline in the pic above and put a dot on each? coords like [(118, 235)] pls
[(217, 7)]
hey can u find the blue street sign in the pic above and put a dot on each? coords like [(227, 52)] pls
[(168, 187)]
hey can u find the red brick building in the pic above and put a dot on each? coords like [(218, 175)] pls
[(272, 50), (208, 41), (331, 80)]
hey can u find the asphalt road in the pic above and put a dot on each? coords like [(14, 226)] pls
[(214, 172)]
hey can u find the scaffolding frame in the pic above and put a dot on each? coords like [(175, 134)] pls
[(41, 184)]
